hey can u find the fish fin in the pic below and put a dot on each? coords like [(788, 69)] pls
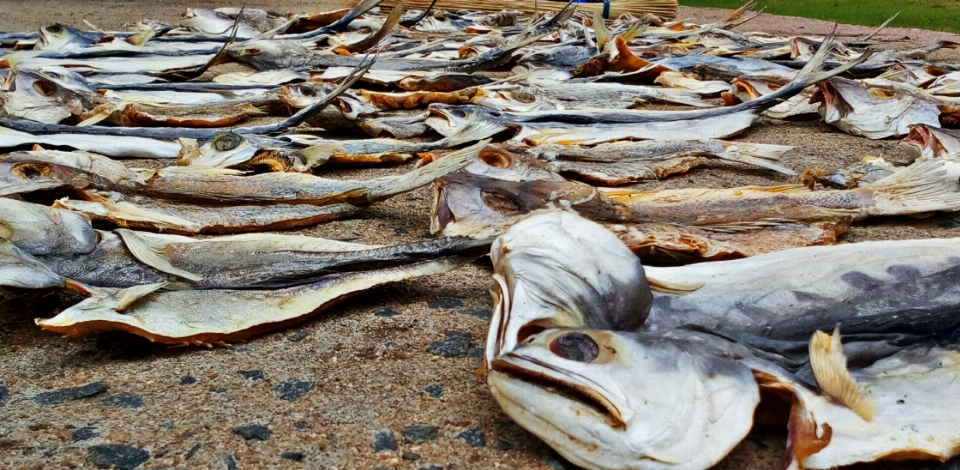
[(600, 28), (189, 151), (473, 130), (669, 287), (141, 250), (269, 34), (142, 37), (126, 297), (880, 28), (830, 369), (924, 186), (761, 155), (130, 212), (96, 117), (454, 161), (633, 31)]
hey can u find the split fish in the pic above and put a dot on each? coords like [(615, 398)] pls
[(186, 316)]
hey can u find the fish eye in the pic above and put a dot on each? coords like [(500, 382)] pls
[(252, 51), (524, 97), (54, 28), (578, 347), (881, 93), (45, 87), (30, 171), (494, 159), (500, 204), (226, 141)]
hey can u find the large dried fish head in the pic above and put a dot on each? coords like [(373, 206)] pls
[(27, 95), (58, 36), (42, 230), (502, 162), (875, 109), (556, 269), (612, 400), (28, 171), (18, 269)]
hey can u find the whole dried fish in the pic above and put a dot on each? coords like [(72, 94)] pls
[(36, 170), (255, 261), (187, 218), (618, 163)]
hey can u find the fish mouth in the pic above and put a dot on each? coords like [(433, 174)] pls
[(565, 384), (918, 140)]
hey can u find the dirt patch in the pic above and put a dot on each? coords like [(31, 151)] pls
[(353, 380)]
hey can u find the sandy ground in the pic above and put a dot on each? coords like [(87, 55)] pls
[(337, 387)]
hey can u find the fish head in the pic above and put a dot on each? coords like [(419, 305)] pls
[(302, 95), (557, 269), (501, 161), (269, 54), (751, 87), (19, 269), (29, 95), (615, 400), (28, 171), (925, 142), (874, 108), (472, 205), (225, 150), (59, 36)]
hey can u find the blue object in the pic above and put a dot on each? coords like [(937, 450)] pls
[(606, 9)]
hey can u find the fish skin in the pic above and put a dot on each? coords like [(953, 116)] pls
[(255, 261), (188, 218), (42, 230), (184, 316)]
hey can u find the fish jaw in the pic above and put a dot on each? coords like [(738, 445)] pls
[(639, 404), (919, 143)]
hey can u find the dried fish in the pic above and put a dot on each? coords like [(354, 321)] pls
[(924, 141), (41, 230), (183, 316), (36, 170), (875, 109), (255, 261), (187, 218)]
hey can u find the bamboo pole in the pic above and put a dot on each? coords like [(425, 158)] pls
[(664, 8)]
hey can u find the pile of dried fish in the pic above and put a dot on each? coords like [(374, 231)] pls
[(534, 131)]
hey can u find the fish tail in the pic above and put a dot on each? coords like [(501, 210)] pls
[(762, 155), (924, 186), (393, 185), (811, 74), (830, 369), (473, 130)]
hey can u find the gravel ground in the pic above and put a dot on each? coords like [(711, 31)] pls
[(356, 387)]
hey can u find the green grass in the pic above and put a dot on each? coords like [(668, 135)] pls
[(940, 15)]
